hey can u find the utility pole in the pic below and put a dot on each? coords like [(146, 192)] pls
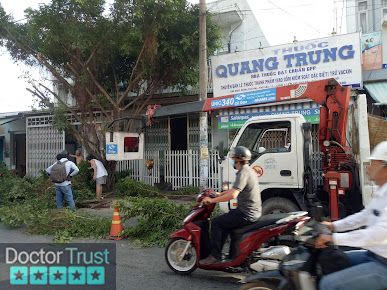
[(203, 79)]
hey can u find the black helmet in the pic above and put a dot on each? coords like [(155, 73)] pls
[(63, 154), (241, 153)]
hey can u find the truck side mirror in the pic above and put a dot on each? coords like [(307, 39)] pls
[(261, 150), (220, 149)]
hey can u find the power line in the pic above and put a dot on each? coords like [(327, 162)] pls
[(227, 8)]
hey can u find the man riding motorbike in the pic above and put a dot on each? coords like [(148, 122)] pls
[(369, 266), (246, 190)]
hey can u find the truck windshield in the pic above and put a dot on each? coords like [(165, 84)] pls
[(250, 136), (271, 137)]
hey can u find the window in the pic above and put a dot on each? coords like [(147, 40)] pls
[(362, 5), (131, 144), (384, 9), (363, 22), (362, 8), (274, 137), (250, 136), (275, 140)]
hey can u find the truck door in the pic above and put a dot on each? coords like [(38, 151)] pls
[(273, 146)]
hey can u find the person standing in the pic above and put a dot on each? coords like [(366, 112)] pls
[(100, 174), (366, 229), (78, 156), (60, 173)]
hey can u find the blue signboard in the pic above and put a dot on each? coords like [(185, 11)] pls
[(111, 149), (245, 99)]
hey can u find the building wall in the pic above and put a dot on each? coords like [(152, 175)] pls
[(373, 9), (377, 21), (238, 25)]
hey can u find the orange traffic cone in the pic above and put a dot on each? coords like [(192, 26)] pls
[(116, 228)]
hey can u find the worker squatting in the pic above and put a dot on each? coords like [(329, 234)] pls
[(314, 57)]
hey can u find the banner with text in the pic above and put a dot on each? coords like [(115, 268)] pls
[(48, 266), (336, 57), (311, 115)]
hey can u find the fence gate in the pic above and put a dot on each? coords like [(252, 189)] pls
[(182, 168), (43, 143)]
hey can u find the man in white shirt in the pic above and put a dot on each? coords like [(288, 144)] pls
[(63, 189), (366, 229)]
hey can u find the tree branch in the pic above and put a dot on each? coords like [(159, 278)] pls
[(102, 90), (99, 104), (138, 97), (115, 83), (43, 98), (73, 70), (75, 114), (130, 83)]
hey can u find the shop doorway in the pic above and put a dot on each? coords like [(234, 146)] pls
[(178, 127), (20, 144)]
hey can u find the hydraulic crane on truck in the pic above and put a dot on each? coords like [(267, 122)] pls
[(340, 170)]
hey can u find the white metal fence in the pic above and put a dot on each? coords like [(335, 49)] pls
[(182, 168), (138, 169)]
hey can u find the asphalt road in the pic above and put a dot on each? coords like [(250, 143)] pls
[(142, 268)]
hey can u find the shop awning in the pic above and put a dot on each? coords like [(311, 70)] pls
[(378, 91), (4, 121), (177, 109)]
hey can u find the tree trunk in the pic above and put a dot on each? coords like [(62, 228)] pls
[(111, 168)]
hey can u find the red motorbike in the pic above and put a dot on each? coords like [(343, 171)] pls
[(248, 246)]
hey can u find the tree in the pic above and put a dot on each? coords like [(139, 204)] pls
[(112, 61)]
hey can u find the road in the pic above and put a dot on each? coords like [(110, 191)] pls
[(141, 268)]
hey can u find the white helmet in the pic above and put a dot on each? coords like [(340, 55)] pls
[(380, 152)]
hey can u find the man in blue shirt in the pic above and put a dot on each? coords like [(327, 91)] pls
[(63, 189)]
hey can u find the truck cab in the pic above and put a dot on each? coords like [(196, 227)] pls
[(277, 144)]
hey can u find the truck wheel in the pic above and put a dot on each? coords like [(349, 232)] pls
[(278, 205)]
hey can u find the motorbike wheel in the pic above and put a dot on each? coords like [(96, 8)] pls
[(172, 252), (260, 285)]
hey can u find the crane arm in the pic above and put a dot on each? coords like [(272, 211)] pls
[(334, 100)]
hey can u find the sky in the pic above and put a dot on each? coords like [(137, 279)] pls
[(280, 20)]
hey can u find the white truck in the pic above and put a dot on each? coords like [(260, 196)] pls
[(284, 166)]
